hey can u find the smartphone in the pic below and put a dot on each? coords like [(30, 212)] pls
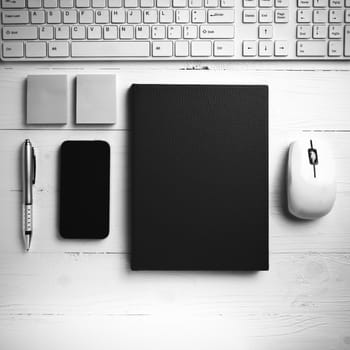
[(84, 189)]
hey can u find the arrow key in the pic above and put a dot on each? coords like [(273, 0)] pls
[(265, 48), (281, 48), (265, 32)]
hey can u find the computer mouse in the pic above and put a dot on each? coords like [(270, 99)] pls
[(311, 178)]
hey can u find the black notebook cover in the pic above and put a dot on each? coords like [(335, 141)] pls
[(199, 177)]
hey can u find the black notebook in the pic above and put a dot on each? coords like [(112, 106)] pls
[(199, 177)]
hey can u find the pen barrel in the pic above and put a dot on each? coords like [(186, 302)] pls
[(27, 218), (27, 173)]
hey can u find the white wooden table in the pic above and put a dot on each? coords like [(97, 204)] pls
[(68, 294)]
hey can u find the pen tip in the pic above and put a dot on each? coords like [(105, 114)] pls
[(27, 242)]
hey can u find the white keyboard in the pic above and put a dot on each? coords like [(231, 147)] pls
[(175, 29)]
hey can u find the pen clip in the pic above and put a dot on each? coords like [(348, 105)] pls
[(34, 166)]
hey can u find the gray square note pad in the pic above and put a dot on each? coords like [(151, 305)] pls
[(47, 99), (96, 99)]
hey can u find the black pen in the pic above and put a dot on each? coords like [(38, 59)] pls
[(28, 181)]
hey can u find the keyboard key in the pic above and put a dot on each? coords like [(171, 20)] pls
[(142, 32), (50, 3), (304, 16), (34, 4), (134, 16), (335, 32), (181, 49), (265, 16), (66, 3), (46, 33), (12, 49), (158, 32), (130, 3), (147, 3), (265, 3), (281, 16), (336, 16), (347, 41), (126, 32), (198, 16), (86, 17), (304, 32), (174, 32), (265, 32), (15, 17), (54, 16), (102, 16), (110, 32), (118, 16), (162, 48), (224, 48), (221, 16), (250, 3), (196, 3), (179, 3), (62, 33), (110, 49), (58, 49), (201, 48), (265, 48), (311, 48), (249, 16), (190, 32), (37, 17), (211, 3), (166, 16), (78, 32), (249, 48), (150, 16), (182, 16), (163, 3), (281, 3), (335, 3), (82, 3), (216, 32), (335, 48), (347, 16), (19, 33), (319, 32), (70, 16), (320, 3), (304, 3), (320, 16), (227, 3), (13, 4), (94, 32), (99, 3), (281, 48), (36, 49), (114, 3)]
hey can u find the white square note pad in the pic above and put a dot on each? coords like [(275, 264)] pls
[(47, 99), (96, 99)]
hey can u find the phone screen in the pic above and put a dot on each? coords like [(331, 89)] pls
[(84, 189)]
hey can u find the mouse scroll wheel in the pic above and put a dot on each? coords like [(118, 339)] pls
[(313, 159)]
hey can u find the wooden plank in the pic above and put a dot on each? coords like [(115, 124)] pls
[(298, 99), (329, 234), (93, 299)]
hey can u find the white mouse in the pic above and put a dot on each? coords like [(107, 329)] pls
[(311, 178)]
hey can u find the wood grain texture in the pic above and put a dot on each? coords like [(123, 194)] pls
[(93, 298), (77, 294)]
